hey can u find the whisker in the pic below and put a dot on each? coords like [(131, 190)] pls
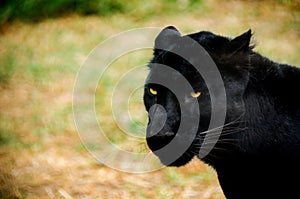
[(221, 149), (225, 140), (210, 155), (215, 148), (190, 154), (215, 133), (225, 125), (209, 143), (206, 143), (224, 133)]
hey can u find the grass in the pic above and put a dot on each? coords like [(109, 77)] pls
[(9, 187), (8, 67), (35, 11), (41, 155)]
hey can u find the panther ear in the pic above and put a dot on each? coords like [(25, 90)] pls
[(240, 43), (166, 39)]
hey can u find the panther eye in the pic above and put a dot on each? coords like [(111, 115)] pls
[(152, 91), (195, 94)]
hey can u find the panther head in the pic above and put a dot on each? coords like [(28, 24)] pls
[(177, 97)]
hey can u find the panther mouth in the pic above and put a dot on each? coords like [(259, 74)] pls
[(175, 155), (159, 140)]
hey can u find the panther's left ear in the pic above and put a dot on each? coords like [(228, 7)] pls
[(166, 39), (240, 43)]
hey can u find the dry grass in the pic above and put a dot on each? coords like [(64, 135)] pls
[(41, 155)]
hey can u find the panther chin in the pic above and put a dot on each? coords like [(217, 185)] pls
[(181, 161), (168, 158)]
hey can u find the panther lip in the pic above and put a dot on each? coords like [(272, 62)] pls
[(160, 140), (161, 134), (169, 133)]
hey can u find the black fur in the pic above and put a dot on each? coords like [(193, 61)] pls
[(258, 152)]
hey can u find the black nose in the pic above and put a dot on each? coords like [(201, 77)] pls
[(159, 133), (157, 120)]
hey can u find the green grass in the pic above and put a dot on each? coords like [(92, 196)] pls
[(37, 10), (9, 139), (7, 67)]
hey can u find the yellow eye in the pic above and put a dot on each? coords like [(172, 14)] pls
[(153, 92), (195, 94)]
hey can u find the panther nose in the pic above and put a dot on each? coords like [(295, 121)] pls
[(159, 134), (157, 120)]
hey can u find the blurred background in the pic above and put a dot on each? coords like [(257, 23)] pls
[(42, 45)]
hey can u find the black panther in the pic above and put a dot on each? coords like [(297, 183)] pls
[(257, 154)]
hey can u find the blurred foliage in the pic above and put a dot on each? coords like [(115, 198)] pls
[(35, 10), (7, 67), (9, 189)]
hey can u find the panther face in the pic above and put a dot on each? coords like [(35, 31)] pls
[(179, 115)]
